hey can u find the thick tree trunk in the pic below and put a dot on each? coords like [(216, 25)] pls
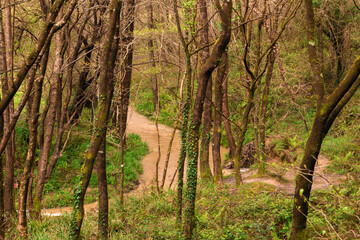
[(203, 24), (108, 59)]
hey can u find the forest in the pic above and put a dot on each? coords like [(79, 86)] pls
[(179, 119)]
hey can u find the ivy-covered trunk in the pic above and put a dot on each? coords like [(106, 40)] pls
[(107, 66), (185, 109), (207, 68)]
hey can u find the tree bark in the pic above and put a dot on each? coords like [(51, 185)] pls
[(327, 109), (221, 77), (226, 113), (127, 45), (107, 66), (263, 111), (153, 77), (45, 36), (34, 107), (205, 172), (193, 139), (185, 109), (103, 222), (9, 151), (55, 89)]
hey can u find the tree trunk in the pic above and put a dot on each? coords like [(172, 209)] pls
[(263, 110), (221, 76), (328, 108), (9, 151), (226, 113), (45, 36), (193, 138), (128, 49), (107, 66), (34, 107), (243, 129), (103, 223), (185, 109), (203, 24), (153, 77), (55, 88), (2, 229)]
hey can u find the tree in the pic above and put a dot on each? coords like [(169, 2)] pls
[(328, 108), (106, 88), (204, 54), (206, 70)]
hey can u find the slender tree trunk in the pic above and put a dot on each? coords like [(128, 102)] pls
[(169, 150), (328, 108), (221, 76), (34, 107), (103, 223), (243, 129), (226, 113), (205, 172), (55, 89), (3, 68), (185, 109), (45, 36), (2, 223), (263, 110), (153, 77), (193, 139), (108, 59), (128, 50), (9, 151)]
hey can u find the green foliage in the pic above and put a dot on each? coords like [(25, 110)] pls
[(168, 108), (58, 192)]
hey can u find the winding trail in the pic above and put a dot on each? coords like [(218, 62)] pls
[(146, 129)]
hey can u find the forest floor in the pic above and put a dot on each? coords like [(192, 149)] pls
[(146, 129)]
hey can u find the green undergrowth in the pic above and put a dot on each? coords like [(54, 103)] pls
[(252, 211), (58, 192), (168, 107)]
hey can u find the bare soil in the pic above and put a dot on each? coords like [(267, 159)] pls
[(142, 126)]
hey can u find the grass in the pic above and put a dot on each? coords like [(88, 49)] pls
[(252, 211), (58, 192), (168, 108)]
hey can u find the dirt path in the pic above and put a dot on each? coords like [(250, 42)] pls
[(146, 129), (321, 179)]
